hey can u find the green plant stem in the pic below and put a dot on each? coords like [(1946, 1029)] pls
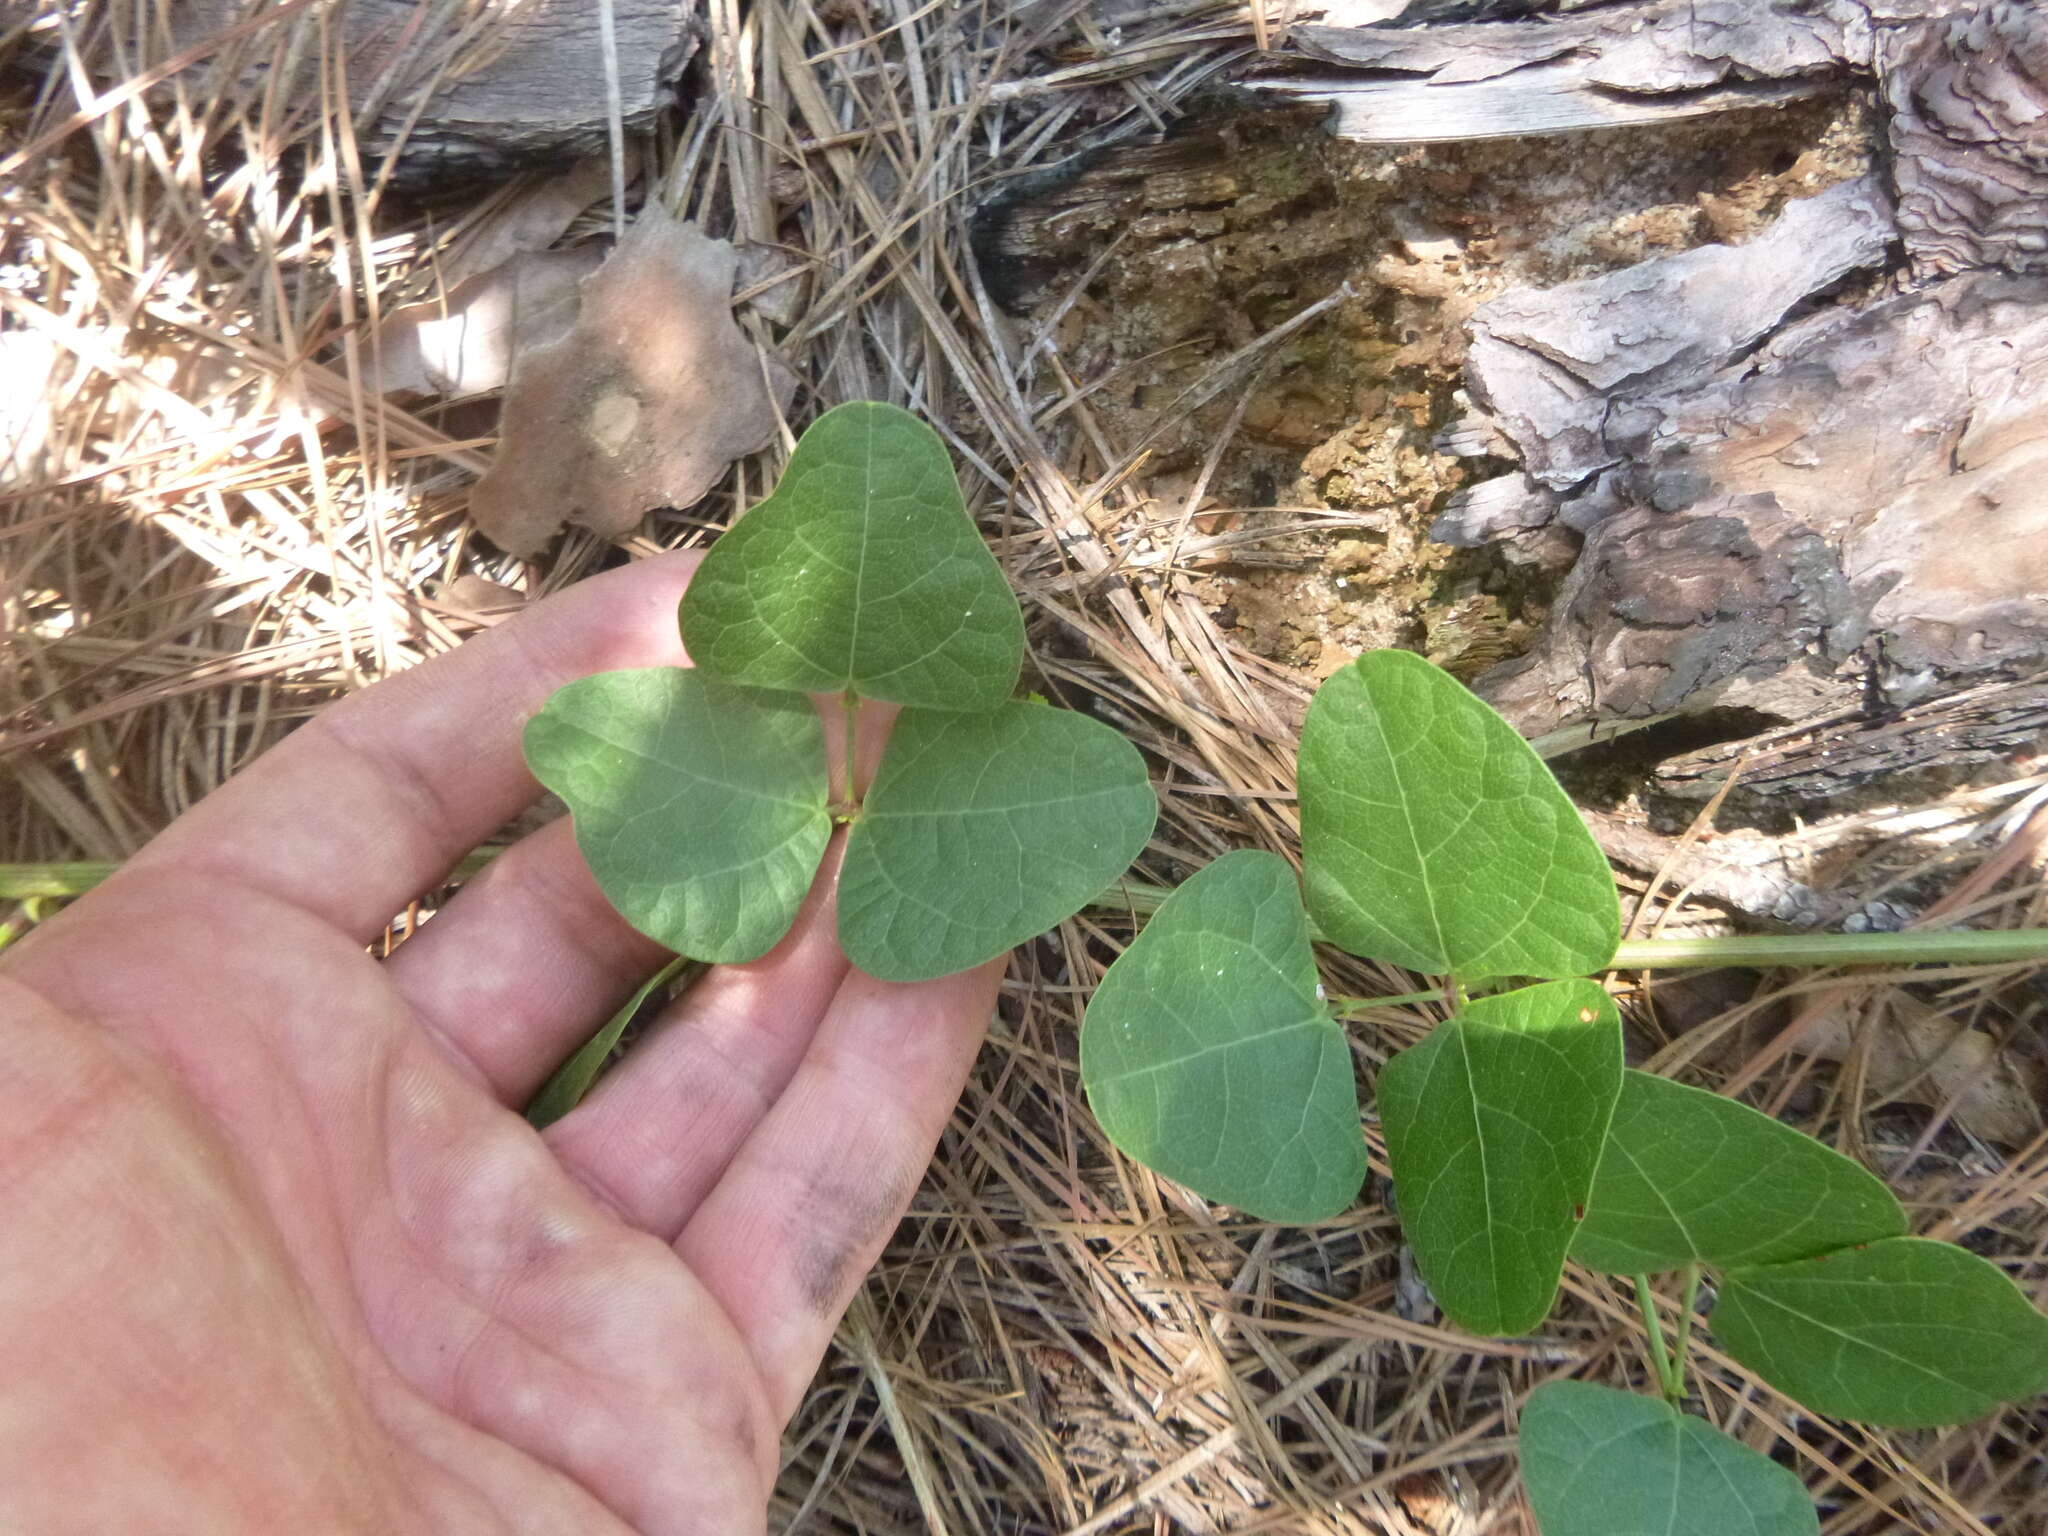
[(1689, 1300), (1956, 946), (1670, 1374), (1959, 946), (1349, 1007), (565, 1088), (842, 779)]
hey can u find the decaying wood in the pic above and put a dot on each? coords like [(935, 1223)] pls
[(1551, 366), (1872, 481), (1823, 760), (469, 87), (1778, 514), (1044, 224), (1969, 99), (1594, 69)]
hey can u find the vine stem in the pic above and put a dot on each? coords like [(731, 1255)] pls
[(842, 789), (1689, 1299), (1670, 1362), (1351, 1007), (1670, 1380), (1955, 946)]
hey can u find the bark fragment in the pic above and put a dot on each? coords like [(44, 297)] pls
[(1594, 68), (1550, 365), (488, 87), (1878, 475)]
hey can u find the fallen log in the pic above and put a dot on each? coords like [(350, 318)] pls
[(1786, 504)]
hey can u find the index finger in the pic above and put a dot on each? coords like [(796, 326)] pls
[(375, 799)]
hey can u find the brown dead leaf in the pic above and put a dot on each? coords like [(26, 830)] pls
[(645, 401), (530, 215), (1923, 1056), (502, 289), (465, 344)]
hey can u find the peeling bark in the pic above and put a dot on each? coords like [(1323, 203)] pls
[(1549, 366), (1592, 69), (1779, 510), (1874, 477), (1968, 94)]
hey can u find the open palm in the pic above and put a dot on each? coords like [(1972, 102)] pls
[(277, 1251)]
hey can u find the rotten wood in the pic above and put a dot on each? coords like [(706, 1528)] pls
[(1041, 225), (1863, 503), (1968, 94), (1793, 512)]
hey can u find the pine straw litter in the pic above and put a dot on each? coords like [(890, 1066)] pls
[(212, 525)]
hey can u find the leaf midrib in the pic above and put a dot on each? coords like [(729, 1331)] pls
[(748, 791), (1199, 1052), (1377, 717), (860, 569), (1479, 1145), (1761, 1296)]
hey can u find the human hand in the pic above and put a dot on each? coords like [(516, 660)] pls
[(278, 1253)]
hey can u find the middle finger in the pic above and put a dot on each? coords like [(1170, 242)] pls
[(658, 1132)]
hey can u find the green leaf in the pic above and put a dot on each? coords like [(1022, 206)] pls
[(1433, 837), (574, 1077), (1494, 1127), (1905, 1331), (1208, 1056), (700, 807), (1692, 1177), (982, 831), (861, 572), (1598, 1462)]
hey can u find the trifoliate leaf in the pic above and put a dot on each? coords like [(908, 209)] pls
[(1208, 1056)]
